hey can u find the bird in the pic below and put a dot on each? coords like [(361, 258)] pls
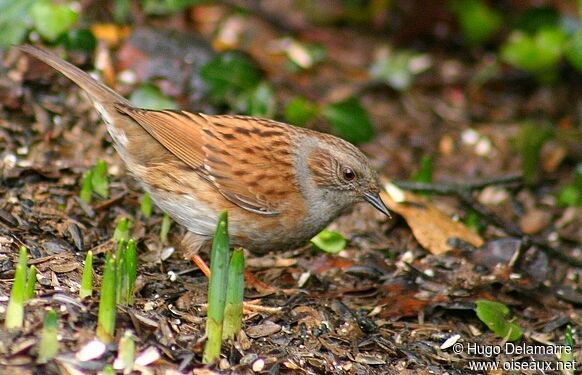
[(280, 184)]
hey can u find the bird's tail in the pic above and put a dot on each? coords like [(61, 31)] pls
[(96, 90)]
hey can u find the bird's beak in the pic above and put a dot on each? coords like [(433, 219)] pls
[(374, 199)]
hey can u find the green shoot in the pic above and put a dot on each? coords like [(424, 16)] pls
[(15, 310), (146, 205), (126, 353), (165, 229), (100, 180), (106, 314), (86, 193), (234, 296), (122, 230), (424, 173), (131, 274), (126, 272), (108, 370), (217, 286), (567, 355), (87, 278), (49, 344), (120, 271), (30, 282)]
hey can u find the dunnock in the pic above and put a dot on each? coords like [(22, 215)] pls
[(280, 184)]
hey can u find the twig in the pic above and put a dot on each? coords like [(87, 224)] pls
[(456, 188)]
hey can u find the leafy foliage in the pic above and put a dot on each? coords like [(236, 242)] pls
[(299, 111), (51, 20), (478, 21), (349, 120), (150, 96)]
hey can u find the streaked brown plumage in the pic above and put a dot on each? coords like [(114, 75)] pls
[(280, 184)]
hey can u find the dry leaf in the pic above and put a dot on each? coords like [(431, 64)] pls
[(431, 227)]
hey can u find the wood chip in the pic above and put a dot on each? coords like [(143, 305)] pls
[(266, 329)]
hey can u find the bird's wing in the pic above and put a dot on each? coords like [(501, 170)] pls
[(248, 160)]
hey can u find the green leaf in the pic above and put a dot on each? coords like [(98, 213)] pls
[(349, 120), (229, 75), (479, 22), (536, 18), (571, 194), (573, 50), (14, 21), (299, 111), (329, 241), (51, 20), (149, 96), (261, 101), (100, 180), (473, 220), (536, 53), (80, 40), (494, 315), (424, 173), (165, 7)]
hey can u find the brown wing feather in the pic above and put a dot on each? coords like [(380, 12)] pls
[(250, 160), (230, 152)]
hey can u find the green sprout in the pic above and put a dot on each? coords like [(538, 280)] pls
[(120, 270), (126, 353), (234, 296), (126, 257), (49, 344), (106, 314), (122, 230), (146, 205), (15, 310), (100, 180), (165, 229), (30, 283), (87, 278), (217, 287), (567, 355), (86, 193)]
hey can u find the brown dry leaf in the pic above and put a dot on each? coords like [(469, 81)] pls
[(430, 226)]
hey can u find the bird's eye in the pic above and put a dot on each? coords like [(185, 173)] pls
[(349, 174)]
